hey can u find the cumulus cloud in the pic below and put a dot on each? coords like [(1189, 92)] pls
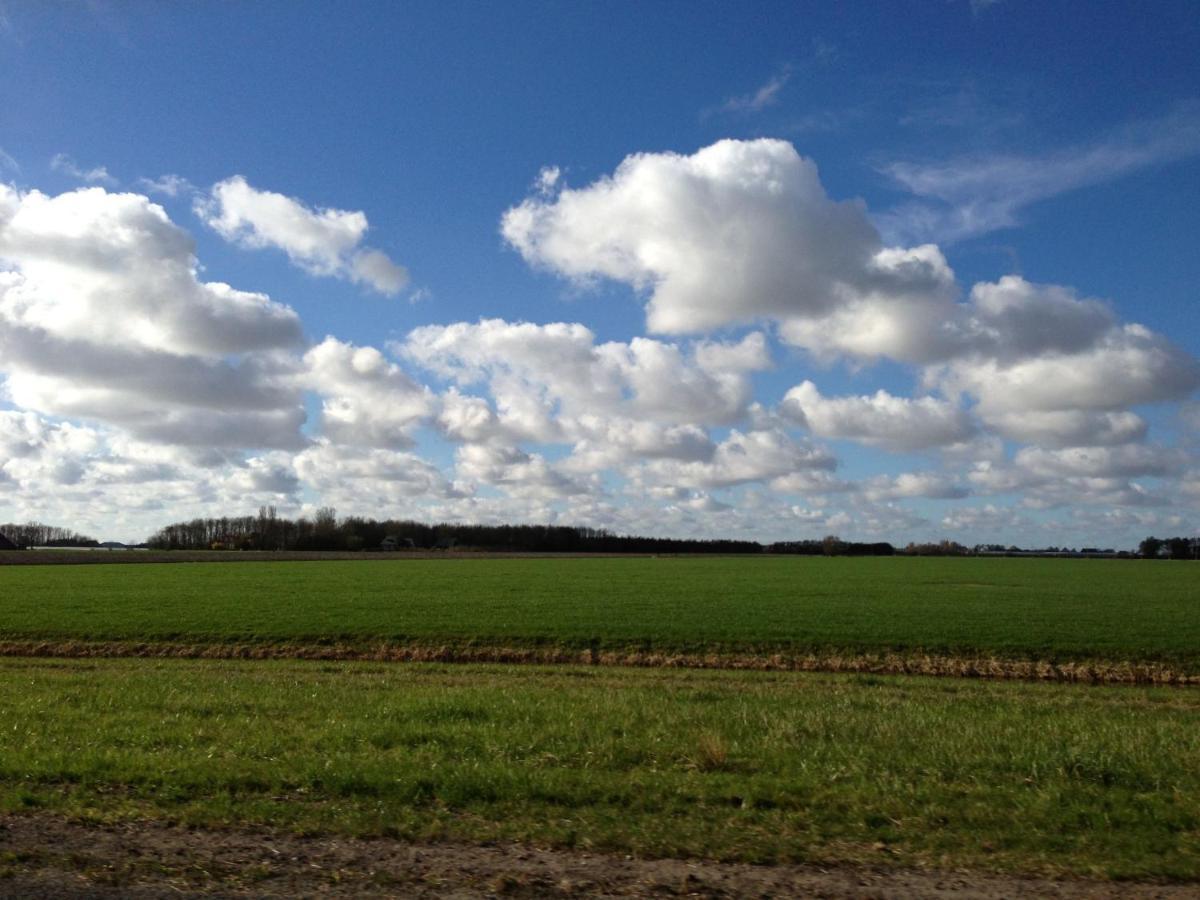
[(1126, 461), (104, 482), (738, 231), (543, 377), (143, 390), (990, 520), (903, 309), (1069, 427), (321, 241), (266, 475), (880, 420), (1037, 348), (1042, 364), (1087, 476), (614, 443), (743, 230), (103, 317), (742, 458), (523, 474), (366, 400), (931, 485), (371, 480)]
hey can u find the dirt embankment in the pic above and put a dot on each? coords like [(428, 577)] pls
[(851, 663), (47, 857)]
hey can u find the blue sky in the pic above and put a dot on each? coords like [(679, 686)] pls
[(1027, 377)]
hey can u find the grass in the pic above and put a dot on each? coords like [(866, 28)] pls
[(1036, 609), (753, 766)]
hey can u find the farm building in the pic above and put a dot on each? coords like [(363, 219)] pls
[(6, 544)]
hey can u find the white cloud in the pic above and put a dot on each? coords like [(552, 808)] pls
[(320, 241), (366, 400), (743, 231), (544, 376), (1050, 367), (750, 354), (1130, 365), (931, 485), (989, 522), (765, 95), (102, 482), (738, 231), (879, 420), (145, 394), (904, 308), (811, 483), (521, 474), (1126, 461), (741, 458), (102, 317), (1069, 428), (265, 475), (168, 185), (971, 196), (370, 481), (1089, 476), (95, 175), (615, 443)]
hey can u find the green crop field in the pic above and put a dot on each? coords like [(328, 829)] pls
[(1036, 609), (753, 766)]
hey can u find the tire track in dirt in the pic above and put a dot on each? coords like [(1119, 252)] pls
[(46, 856)]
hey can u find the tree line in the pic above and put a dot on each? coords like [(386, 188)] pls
[(35, 534), (324, 531), (1170, 548)]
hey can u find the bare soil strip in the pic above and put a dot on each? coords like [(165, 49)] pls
[(46, 856), (866, 663)]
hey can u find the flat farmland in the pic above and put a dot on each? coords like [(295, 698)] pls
[(631, 764), (1112, 612), (763, 767)]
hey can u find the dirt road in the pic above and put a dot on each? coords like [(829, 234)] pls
[(48, 857)]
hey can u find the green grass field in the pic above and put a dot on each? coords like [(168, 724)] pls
[(1017, 608), (731, 765), (755, 766)]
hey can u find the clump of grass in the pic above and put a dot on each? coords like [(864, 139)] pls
[(711, 753)]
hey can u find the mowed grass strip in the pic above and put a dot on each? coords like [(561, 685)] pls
[(1040, 609), (752, 766)]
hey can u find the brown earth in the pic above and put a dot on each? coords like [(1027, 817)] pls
[(859, 663), (43, 857)]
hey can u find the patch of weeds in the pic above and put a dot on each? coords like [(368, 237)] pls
[(711, 754)]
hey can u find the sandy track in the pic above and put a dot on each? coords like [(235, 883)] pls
[(45, 856)]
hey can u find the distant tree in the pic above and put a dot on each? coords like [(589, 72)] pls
[(832, 545), (1179, 548), (1150, 548)]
